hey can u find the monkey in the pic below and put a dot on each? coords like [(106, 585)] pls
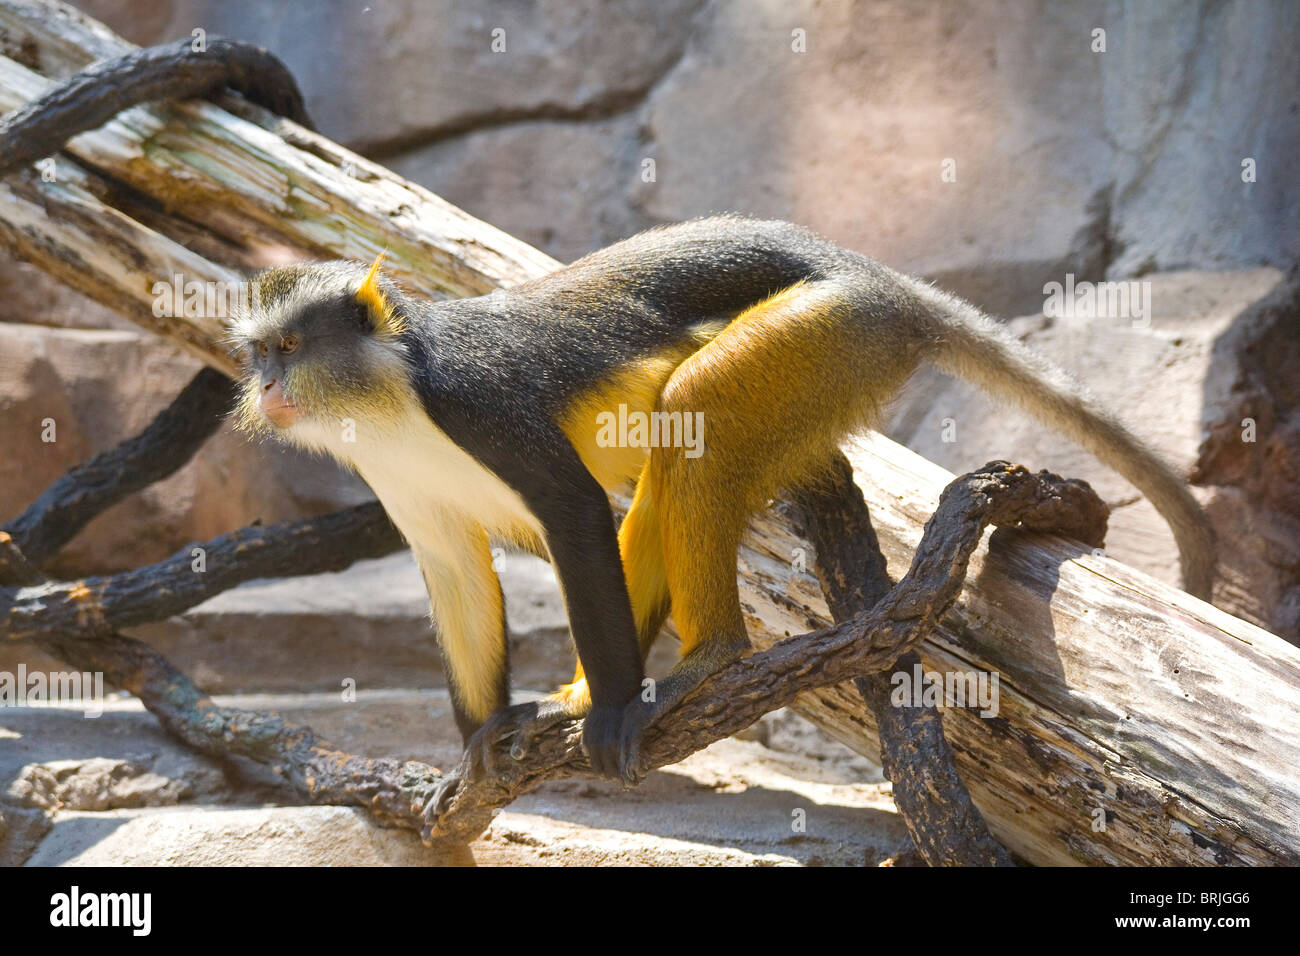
[(480, 420)]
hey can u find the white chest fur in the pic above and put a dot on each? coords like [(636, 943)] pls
[(422, 477)]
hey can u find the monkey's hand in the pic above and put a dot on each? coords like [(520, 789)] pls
[(637, 716), (603, 740), (522, 724)]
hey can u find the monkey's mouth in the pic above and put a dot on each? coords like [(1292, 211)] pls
[(278, 408), (282, 415)]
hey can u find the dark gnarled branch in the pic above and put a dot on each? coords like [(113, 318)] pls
[(94, 606), (169, 441), (944, 823), (173, 71)]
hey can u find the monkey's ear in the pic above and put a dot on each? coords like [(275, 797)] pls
[(385, 320)]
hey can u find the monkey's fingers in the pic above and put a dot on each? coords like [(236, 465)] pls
[(602, 739), (630, 769), (638, 716), (440, 801)]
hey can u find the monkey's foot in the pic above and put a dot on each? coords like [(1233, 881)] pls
[(522, 724), (691, 671), (637, 716)]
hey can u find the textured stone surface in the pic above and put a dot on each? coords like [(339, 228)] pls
[(252, 836), (55, 758), (734, 803), (21, 831), (29, 296), (506, 174), (410, 71), (101, 386), (1066, 159), (1170, 383), (1252, 455)]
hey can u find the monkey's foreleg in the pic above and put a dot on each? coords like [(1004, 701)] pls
[(695, 667)]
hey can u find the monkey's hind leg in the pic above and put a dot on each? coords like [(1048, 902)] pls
[(773, 395)]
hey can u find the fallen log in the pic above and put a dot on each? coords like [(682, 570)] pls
[(1135, 724)]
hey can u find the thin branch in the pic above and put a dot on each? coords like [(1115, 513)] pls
[(946, 827), (165, 445), (173, 71), (95, 606)]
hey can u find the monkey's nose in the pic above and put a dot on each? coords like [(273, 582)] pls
[(266, 387)]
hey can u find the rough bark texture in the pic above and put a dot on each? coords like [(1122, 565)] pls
[(945, 826), (177, 71), (93, 606)]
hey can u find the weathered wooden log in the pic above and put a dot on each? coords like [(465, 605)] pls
[(1135, 724), (259, 186), (1122, 700)]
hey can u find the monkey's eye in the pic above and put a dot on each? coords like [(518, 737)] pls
[(262, 350), (289, 344)]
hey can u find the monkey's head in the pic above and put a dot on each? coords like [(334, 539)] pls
[(320, 344)]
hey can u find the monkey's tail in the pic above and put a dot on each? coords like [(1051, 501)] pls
[(976, 348)]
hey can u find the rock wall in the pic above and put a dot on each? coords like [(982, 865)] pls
[(66, 394), (993, 146), (1066, 159)]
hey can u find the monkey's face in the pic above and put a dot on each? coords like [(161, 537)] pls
[(320, 346)]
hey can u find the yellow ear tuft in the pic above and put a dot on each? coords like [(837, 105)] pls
[(370, 295)]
